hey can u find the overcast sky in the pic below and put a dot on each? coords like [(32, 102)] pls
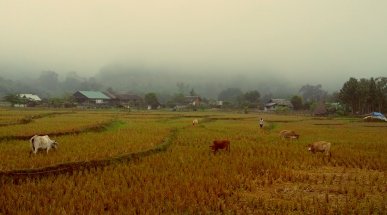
[(313, 40)]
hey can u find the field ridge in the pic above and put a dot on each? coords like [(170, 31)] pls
[(31, 118), (63, 168), (112, 124)]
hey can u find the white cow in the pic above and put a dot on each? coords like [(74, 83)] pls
[(42, 142), (195, 122)]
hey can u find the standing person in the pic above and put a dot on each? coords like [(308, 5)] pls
[(261, 123)]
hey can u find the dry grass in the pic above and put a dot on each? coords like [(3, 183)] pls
[(261, 174)]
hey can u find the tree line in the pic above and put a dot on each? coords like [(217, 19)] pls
[(364, 95), (357, 96)]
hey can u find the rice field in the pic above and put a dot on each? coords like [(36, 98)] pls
[(262, 174)]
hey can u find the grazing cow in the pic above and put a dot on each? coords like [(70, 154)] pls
[(220, 144), (42, 142), (288, 134), (320, 146), (195, 122)]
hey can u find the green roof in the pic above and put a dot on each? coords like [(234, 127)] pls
[(94, 95)]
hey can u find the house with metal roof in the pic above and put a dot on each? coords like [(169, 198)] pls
[(27, 100), (30, 97), (90, 98), (124, 99)]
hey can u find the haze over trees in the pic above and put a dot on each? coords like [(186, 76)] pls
[(357, 95), (364, 95), (48, 85), (312, 93), (151, 100), (296, 102)]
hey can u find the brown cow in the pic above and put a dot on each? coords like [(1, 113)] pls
[(288, 134), (320, 146), (220, 144)]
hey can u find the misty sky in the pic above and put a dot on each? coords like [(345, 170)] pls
[(319, 41)]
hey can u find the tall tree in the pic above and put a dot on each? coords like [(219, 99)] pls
[(192, 92), (15, 99), (381, 94), (151, 99), (349, 94), (91, 84), (251, 99), (296, 102), (312, 93), (48, 80), (178, 99), (372, 98), (252, 96), (230, 95), (182, 88), (72, 82), (363, 91)]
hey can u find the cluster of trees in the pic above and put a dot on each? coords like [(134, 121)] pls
[(234, 97), (231, 97), (49, 85), (357, 96), (8, 87), (364, 95), (308, 96)]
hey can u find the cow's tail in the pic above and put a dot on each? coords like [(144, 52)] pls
[(32, 140)]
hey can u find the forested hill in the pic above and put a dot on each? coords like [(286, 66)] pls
[(205, 83), (141, 81)]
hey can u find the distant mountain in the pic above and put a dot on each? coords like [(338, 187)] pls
[(208, 84)]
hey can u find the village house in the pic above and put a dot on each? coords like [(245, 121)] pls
[(215, 103), (30, 100), (124, 99), (30, 97), (91, 98), (275, 104), (193, 100)]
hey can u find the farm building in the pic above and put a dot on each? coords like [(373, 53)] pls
[(27, 100), (30, 97), (275, 104), (215, 103), (124, 99), (90, 98), (192, 100)]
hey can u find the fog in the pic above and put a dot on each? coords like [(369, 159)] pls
[(243, 43)]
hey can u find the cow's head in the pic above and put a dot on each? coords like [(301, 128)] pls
[(310, 148), (55, 144)]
